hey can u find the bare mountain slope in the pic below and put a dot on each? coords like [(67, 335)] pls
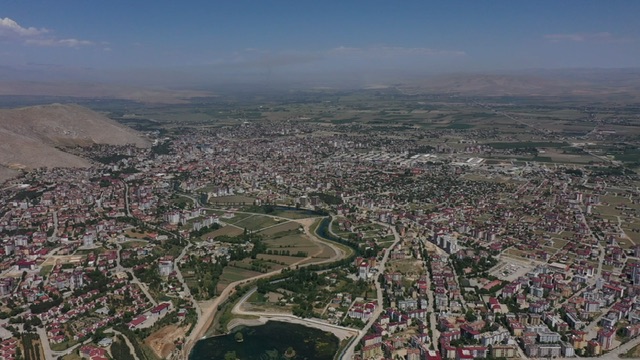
[(6, 174), (29, 136)]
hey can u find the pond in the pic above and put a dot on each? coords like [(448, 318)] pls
[(269, 342)]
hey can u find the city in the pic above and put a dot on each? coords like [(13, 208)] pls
[(449, 253)]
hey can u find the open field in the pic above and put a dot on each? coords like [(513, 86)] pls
[(231, 200), (135, 234), (292, 214), (231, 274), (284, 227), (293, 243), (133, 244), (256, 222), (227, 230), (237, 217), (288, 260), (327, 253)]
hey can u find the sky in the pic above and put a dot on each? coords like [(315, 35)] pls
[(180, 40)]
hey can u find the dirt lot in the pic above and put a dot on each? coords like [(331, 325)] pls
[(161, 341)]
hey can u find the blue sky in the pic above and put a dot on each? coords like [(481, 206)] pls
[(302, 36)]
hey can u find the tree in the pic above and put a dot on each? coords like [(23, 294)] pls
[(290, 352), (238, 337), (230, 355), (470, 316)]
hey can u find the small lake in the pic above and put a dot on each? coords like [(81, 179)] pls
[(269, 342)]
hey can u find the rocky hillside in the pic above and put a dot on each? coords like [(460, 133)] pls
[(31, 137)]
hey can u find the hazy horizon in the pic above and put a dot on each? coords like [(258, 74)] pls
[(168, 43)]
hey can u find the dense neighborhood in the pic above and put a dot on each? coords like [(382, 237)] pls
[(456, 257)]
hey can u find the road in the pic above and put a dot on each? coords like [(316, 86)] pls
[(435, 334), (54, 237), (180, 278), (350, 350), (126, 198), (44, 340)]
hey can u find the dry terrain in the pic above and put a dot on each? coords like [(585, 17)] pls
[(6, 173), (161, 341), (30, 137)]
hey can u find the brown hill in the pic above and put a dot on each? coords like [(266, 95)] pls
[(29, 136)]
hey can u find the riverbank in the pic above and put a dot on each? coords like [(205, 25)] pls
[(339, 332)]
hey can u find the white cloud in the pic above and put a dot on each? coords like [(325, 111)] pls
[(10, 28), (603, 37), (59, 42)]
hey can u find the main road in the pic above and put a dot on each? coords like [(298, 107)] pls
[(348, 353)]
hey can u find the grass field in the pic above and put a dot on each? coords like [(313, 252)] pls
[(293, 241), (133, 244), (231, 274), (136, 235), (282, 228), (237, 217), (232, 200), (288, 260), (292, 214), (227, 230), (256, 222)]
